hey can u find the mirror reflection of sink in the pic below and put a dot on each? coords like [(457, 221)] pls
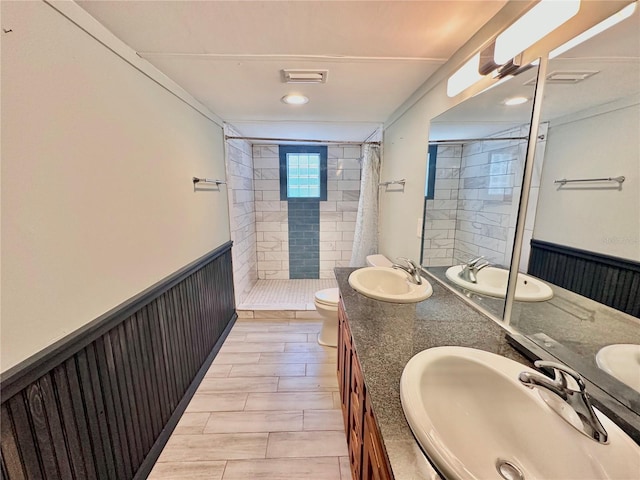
[(621, 361), (389, 285), (475, 420), (492, 281)]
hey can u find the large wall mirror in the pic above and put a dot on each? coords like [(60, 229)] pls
[(578, 285), (477, 152), (582, 232)]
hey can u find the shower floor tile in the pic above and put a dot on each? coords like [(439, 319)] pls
[(285, 294)]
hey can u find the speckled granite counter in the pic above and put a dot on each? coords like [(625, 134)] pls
[(571, 327), (577, 322), (387, 335)]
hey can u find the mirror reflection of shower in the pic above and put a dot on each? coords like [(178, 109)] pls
[(471, 203)]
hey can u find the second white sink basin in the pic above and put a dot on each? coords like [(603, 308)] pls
[(389, 285), (621, 361), (475, 420), (493, 281)]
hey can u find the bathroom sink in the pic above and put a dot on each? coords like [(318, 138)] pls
[(621, 361), (492, 281), (475, 420), (389, 285)]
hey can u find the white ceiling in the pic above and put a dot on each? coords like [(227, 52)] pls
[(614, 54), (228, 55)]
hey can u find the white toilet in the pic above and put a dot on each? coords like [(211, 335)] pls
[(326, 302)]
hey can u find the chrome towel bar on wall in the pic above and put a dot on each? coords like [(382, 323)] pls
[(394, 182), (208, 180), (564, 181)]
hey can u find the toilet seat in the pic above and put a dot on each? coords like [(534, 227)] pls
[(329, 297)]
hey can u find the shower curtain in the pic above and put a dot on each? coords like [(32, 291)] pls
[(365, 241)]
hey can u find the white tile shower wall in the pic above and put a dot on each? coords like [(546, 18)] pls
[(490, 172), (440, 221), (337, 214), (272, 225), (242, 216)]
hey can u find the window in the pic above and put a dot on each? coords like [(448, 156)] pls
[(303, 172)]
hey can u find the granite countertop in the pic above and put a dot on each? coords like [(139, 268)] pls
[(577, 322), (570, 327), (386, 335)]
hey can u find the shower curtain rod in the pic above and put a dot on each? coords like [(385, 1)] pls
[(267, 139), (463, 140)]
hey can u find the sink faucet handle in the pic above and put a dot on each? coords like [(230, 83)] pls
[(410, 263), (414, 264), (561, 372), (404, 259), (471, 263)]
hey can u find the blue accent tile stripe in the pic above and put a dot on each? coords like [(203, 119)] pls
[(304, 238)]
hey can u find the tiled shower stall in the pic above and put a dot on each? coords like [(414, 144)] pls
[(260, 220)]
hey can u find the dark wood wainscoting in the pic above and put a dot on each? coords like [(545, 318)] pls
[(613, 281), (102, 402)]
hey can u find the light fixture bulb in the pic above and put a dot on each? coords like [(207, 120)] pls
[(295, 99), (614, 19), (516, 101), (542, 19), (466, 76)]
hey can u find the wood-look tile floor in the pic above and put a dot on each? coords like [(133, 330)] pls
[(268, 408)]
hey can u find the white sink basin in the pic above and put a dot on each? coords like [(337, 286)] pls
[(621, 361), (492, 281), (389, 285), (470, 414)]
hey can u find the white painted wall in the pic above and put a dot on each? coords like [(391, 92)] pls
[(594, 144), (97, 198)]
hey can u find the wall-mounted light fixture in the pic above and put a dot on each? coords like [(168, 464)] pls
[(614, 19), (466, 76), (503, 58), (538, 22)]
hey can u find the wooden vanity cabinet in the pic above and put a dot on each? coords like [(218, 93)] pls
[(367, 456)]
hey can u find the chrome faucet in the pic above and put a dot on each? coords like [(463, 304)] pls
[(577, 399), (470, 269), (412, 269)]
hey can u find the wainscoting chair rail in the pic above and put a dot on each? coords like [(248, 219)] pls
[(102, 402), (609, 280), (19, 376)]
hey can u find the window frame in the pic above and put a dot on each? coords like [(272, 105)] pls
[(284, 178)]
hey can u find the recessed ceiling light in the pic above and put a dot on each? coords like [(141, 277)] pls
[(295, 99), (516, 101)]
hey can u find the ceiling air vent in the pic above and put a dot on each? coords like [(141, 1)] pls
[(304, 76), (567, 77)]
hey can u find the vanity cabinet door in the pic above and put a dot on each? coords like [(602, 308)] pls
[(374, 462), (344, 365), (356, 417), (366, 454)]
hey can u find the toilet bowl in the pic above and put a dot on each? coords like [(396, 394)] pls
[(326, 302), (378, 260)]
